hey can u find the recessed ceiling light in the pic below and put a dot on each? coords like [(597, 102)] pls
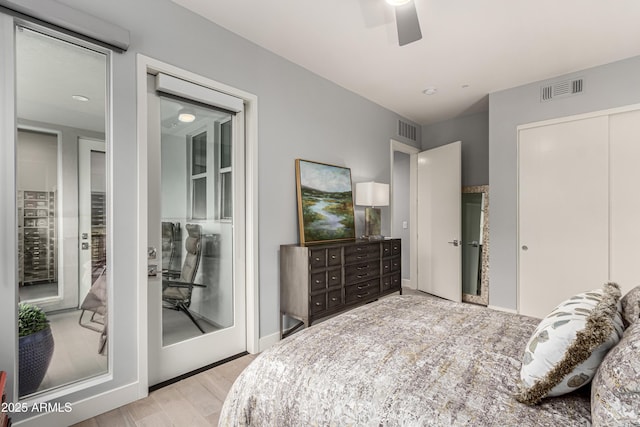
[(430, 91), (80, 98), (397, 2), (186, 116)]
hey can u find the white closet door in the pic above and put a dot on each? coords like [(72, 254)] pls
[(624, 132), (563, 212)]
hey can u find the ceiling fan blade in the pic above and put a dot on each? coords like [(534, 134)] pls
[(407, 23)]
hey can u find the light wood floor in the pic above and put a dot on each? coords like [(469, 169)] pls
[(195, 401)]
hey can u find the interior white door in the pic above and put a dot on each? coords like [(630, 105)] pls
[(195, 182), (563, 212), (439, 221), (91, 179), (624, 134)]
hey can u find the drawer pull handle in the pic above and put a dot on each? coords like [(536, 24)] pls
[(333, 257), (361, 256), (318, 281), (363, 267), (364, 286), (386, 267), (363, 295), (334, 278), (359, 249), (318, 304), (334, 299), (317, 259), (360, 276)]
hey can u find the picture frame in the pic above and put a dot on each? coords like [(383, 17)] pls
[(325, 202)]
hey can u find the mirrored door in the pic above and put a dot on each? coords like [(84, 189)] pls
[(61, 99)]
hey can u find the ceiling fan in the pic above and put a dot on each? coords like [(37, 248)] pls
[(406, 21)]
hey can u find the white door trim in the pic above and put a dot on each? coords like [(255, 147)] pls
[(413, 198), (146, 65)]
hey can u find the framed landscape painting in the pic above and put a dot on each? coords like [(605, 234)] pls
[(325, 202)]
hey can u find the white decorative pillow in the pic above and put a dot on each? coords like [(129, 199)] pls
[(568, 345)]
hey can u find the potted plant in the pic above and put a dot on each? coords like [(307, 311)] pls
[(35, 347)]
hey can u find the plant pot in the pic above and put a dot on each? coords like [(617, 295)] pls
[(35, 353)]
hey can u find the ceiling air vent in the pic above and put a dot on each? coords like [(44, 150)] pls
[(561, 89), (407, 130)]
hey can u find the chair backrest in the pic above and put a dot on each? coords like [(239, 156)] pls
[(193, 247)]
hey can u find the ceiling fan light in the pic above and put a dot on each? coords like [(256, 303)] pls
[(397, 2)]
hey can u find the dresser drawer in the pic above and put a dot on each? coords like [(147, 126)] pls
[(318, 303), (363, 252), (362, 291), (395, 247), (386, 249), (386, 266), (334, 298), (334, 277), (334, 256), (317, 258), (362, 271), (395, 264), (318, 281), (390, 282)]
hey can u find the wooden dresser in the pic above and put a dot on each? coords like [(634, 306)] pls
[(324, 279)]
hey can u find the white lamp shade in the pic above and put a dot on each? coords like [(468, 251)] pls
[(372, 194)]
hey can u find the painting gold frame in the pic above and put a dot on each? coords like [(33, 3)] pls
[(325, 202)]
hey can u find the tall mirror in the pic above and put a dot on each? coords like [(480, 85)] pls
[(475, 247), (61, 205)]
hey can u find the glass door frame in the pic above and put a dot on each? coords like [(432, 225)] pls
[(147, 65)]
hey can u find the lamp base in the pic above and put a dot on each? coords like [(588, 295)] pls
[(372, 223)]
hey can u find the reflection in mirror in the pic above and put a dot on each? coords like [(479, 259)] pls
[(61, 208), (475, 248)]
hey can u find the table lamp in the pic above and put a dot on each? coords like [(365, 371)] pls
[(372, 194)]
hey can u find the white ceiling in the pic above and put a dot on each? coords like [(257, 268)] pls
[(49, 71), (488, 45)]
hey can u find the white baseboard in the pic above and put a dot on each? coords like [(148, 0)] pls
[(268, 341), (506, 310), (84, 409)]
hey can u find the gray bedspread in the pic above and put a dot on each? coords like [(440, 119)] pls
[(401, 361)]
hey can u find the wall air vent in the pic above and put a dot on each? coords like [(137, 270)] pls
[(561, 89), (407, 130)]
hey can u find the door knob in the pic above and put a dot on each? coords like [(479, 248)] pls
[(455, 243)]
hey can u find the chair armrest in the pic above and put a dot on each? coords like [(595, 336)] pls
[(180, 284), (171, 274)]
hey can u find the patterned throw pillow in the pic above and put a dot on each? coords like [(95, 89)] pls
[(615, 392), (568, 345), (631, 306)]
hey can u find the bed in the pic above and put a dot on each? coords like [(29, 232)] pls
[(405, 360)]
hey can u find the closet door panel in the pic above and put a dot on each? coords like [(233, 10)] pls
[(624, 133), (563, 230)]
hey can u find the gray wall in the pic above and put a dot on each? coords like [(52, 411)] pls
[(301, 115), (401, 206), (607, 86), (473, 131)]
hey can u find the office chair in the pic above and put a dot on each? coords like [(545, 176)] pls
[(176, 292)]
